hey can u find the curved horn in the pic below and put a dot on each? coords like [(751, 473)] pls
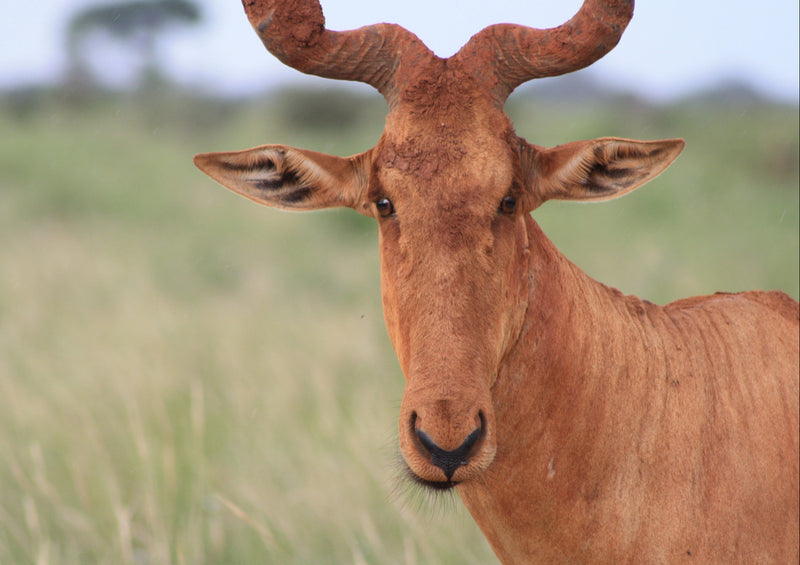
[(518, 54), (294, 31)]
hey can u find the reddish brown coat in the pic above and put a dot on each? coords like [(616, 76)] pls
[(579, 425)]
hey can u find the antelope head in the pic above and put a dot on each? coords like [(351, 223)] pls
[(451, 186)]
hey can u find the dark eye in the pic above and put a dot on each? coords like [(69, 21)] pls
[(385, 207), (508, 205)]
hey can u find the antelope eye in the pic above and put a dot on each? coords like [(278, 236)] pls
[(508, 205), (385, 207)]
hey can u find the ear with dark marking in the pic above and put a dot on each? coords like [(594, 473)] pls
[(599, 169), (289, 178)]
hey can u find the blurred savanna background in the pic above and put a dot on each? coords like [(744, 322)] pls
[(186, 377)]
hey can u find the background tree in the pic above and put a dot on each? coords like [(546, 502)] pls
[(136, 25)]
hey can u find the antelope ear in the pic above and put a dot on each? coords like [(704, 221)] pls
[(289, 178), (600, 169)]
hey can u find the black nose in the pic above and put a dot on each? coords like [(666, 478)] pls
[(449, 461)]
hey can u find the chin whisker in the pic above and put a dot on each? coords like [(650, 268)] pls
[(411, 491)]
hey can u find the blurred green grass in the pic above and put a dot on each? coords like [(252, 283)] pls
[(190, 378)]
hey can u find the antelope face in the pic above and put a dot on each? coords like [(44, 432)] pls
[(450, 206), (451, 186)]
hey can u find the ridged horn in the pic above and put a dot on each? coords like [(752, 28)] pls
[(294, 31), (517, 54)]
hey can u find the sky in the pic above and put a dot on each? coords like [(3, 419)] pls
[(671, 47)]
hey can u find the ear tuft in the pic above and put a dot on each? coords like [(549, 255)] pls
[(603, 168), (284, 177), (267, 175)]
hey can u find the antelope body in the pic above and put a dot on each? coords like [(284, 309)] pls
[(577, 424)]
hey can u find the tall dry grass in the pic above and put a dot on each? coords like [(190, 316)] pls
[(188, 378)]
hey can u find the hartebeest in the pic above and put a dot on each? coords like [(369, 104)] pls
[(577, 424)]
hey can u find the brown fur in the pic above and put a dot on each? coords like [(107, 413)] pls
[(579, 425), (643, 433)]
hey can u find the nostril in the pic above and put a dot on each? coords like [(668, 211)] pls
[(429, 445), (449, 461), (471, 440)]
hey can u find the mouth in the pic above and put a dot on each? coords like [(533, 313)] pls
[(438, 486), (444, 443)]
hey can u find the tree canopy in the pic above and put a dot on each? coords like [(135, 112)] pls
[(135, 24)]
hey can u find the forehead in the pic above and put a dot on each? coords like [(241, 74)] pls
[(457, 153)]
